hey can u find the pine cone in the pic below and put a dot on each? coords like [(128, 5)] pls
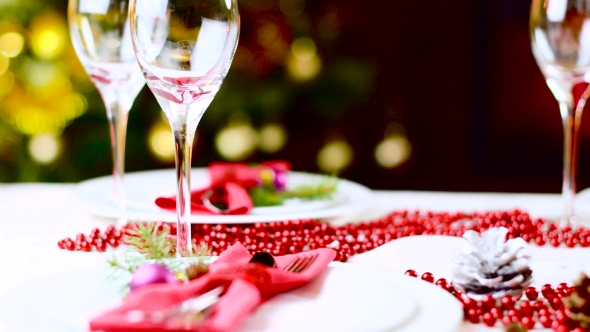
[(578, 302), (490, 266)]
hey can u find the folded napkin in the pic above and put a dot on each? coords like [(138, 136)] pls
[(246, 285), (229, 187)]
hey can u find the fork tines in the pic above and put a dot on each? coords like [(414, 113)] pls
[(300, 263)]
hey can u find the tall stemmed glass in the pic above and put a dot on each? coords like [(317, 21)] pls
[(560, 35), (101, 37), (185, 49)]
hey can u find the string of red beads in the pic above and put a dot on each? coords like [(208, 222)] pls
[(531, 310), (299, 235)]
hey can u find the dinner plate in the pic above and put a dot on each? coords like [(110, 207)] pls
[(142, 189), (342, 298)]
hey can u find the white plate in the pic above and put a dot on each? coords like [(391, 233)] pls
[(341, 299), (142, 189)]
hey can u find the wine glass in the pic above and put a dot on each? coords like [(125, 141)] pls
[(560, 36), (101, 37), (185, 49)]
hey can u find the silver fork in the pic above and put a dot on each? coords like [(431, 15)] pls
[(300, 263)]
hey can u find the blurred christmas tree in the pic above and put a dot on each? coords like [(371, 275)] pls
[(287, 89)]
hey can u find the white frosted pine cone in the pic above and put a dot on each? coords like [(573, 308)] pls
[(489, 265)]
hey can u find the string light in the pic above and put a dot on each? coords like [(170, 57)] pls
[(272, 138), (44, 148), (335, 156)]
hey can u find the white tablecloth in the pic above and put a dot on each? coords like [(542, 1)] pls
[(33, 217)]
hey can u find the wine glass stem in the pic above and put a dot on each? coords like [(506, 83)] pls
[(571, 118), (118, 115), (183, 140)]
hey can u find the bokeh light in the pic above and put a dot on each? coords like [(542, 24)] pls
[(6, 82), (4, 63), (304, 62), (11, 44), (161, 141), (393, 151), (236, 141), (292, 8), (48, 35), (273, 137), (44, 148), (335, 156)]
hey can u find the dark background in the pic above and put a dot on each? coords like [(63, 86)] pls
[(458, 75)]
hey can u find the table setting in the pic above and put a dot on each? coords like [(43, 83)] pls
[(234, 246)]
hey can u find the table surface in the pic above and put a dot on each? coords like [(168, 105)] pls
[(33, 217)]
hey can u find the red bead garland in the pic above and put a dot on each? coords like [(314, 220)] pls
[(288, 237), (530, 312)]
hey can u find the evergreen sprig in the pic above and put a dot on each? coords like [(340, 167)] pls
[(269, 196), (148, 242)]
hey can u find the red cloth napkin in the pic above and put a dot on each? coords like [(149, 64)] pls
[(229, 186), (246, 285)]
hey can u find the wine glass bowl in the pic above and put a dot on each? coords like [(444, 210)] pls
[(100, 34), (560, 38), (184, 49)]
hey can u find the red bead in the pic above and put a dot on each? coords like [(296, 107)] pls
[(442, 283), (101, 246), (412, 273), (525, 308), (556, 303), (70, 245), (114, 242), (427, 276), (545, 320), (489, 319), (546, 290), (473, 316), (508, 302), (85, 246), (528, 322), (488, 301), (61, 244), (531, 293)]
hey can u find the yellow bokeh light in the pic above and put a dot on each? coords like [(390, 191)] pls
[(6, 82), (393, 151), (236, 142), (272, 138), (44, 148), (4, 63), (161, 142), (335, 156), (48, 36), (303, 48), (304, 63), (11, 44)]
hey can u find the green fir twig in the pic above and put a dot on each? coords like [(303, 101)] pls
[(269, 196)]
